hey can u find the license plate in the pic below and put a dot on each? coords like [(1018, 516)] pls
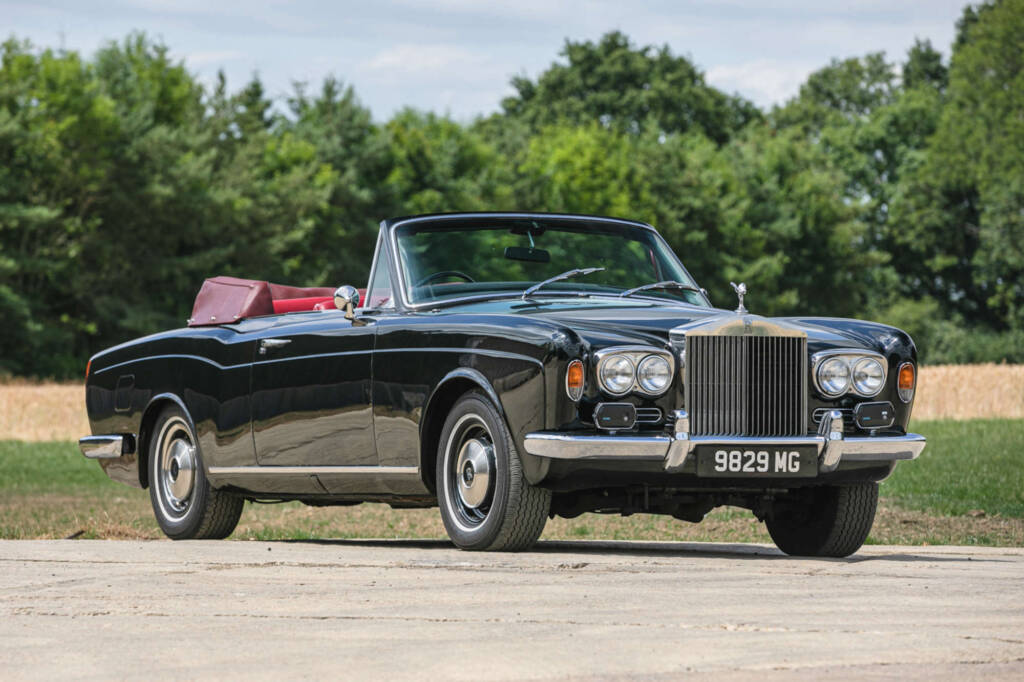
[(761, 462)]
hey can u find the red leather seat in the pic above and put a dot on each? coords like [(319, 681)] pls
[(294, 305)]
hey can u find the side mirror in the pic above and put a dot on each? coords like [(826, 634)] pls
[(347, 298)]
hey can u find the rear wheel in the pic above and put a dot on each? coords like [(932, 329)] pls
[(185, 505), (830, 521), (485, 501)]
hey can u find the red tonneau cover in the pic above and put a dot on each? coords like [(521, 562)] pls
[(223, 300)]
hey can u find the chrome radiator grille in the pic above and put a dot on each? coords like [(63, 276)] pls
[(746, 385)]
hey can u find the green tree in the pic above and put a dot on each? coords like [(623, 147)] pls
[(438, 166), (874, 129), (924, 67), (340, 130), (618, 85), (960, 214), (798, 242), (122, 186), (581, 169)]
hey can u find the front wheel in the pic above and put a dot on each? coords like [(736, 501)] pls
[(186, 506), (486, 502), (827, 521)]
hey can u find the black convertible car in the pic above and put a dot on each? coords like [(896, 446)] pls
[(508, 367)]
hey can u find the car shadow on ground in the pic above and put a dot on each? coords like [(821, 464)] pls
[(740, 551)]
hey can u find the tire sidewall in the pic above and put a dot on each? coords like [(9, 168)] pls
[(186, 525), (485, 534)]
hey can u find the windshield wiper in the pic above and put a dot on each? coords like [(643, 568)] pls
[(568, 274), (667, 284)]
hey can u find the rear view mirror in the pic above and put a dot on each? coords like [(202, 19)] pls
[(527, 254)]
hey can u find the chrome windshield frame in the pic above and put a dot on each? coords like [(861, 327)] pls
[(400, 278)]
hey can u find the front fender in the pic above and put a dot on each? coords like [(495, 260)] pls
[(517, 403)]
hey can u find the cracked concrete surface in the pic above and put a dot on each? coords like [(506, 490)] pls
[(569, 610)]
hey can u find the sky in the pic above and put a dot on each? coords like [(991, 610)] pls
[(457, 56)]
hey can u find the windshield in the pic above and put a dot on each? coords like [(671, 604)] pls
[(504, 257)]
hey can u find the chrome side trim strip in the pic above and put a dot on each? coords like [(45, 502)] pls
[(315, 470), (102, 447)]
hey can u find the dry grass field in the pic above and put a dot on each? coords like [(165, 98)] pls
[(37, 412), (50, 411), (970, 392)]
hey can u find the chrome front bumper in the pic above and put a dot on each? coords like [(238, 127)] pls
[(675, 449), (116, 456), (102, 447)]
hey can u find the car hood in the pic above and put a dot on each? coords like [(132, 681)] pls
[(609, 322)]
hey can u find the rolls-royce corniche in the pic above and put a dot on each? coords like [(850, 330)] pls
[(508, 368)]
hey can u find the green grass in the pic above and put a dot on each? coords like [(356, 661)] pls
[(47, 467), (967, 466), (50, 490)]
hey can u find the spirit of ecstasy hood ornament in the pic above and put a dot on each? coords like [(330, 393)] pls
[(741, 290)]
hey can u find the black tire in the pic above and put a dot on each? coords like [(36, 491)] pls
[(185, 505), (491, 506), (830, 521)]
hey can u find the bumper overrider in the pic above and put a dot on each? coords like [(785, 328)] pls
[(674, 449)]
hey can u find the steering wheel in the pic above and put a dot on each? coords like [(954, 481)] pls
[(441, 275)]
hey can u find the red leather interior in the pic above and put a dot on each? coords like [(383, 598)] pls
[(294, 305), (282, 291), (223, 300)]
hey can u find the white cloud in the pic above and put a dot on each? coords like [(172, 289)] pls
[(198, 59), (765, 81), (459, 54), (417, 59)]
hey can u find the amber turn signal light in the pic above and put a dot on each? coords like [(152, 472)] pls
[(88, 366), (906, 381), (574, 380)]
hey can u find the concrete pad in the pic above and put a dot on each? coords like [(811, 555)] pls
[(394, 609)]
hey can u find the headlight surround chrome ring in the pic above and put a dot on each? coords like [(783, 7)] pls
[(618, 370), (834, 377), (654, 374), (849, 370), (868, 376), (617, 374)]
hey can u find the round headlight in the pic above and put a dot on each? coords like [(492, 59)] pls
[(834, 376), (868, 376), (654, 374), (617, 374)]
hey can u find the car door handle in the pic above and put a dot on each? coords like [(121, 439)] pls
[(272, 343)]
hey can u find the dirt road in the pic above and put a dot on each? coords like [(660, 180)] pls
[(421, 610)]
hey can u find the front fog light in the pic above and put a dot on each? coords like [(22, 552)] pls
[(617, 374), (654, 374), (868, 376), (834, 376)]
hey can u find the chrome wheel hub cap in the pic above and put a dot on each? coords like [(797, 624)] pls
[(178, 472), (473, 469)]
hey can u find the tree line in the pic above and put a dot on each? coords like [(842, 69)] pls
[(884, 190)]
